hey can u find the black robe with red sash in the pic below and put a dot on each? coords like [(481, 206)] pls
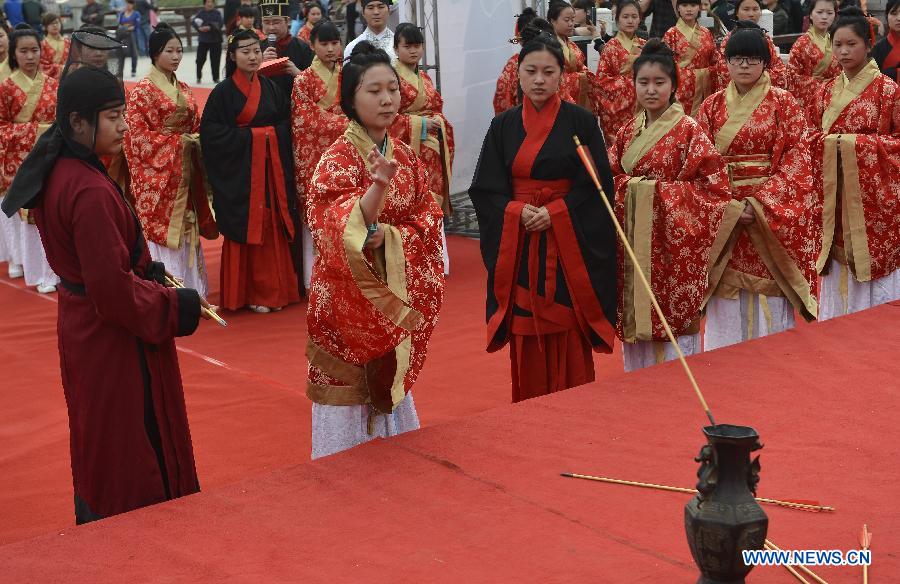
[(886, 53), (130, 441), (574, 262)]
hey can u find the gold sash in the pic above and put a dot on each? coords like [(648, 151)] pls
[(645, 137), (32, 89), (58, 46), (739, 109), (169, 88), (823, 43), (634, 51), (693, 42), (845, 91), (637, 324), (5, 71), (330, 78)]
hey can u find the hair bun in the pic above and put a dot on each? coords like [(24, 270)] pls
[(23, 26), (162, 26), (655, 46), (363, 48), (852, 11), (747, 25), (527, 11), (534, 29)]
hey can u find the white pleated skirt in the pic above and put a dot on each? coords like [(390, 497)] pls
[(648, 353), (751, 316), (178, 263), (337, 428), (840, 293), (34, 259), (10, 239)]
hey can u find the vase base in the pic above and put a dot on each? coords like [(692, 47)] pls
[(705, 580)]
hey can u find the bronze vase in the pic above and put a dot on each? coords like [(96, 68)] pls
[(724, 518)]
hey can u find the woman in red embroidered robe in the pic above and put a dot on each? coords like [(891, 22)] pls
[(9, 233), (546, 239), (421, 124), (4, 54), (857, 155), (751, 11), (507, 94), (316, 120), (614, 77), (312, 14), (377, 284), (27, 108), (761, 132), (886, 52), (54, 47), (673, 199), (812, 61), (245, 135), (579, 82), (162, 147), (697, 56)]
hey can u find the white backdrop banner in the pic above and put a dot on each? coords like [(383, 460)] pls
[(474, 48)]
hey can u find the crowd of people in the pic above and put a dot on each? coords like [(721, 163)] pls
[(750, 190)]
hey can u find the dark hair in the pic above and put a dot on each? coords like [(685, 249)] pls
[(543, 41), (738, 3), (811, 5), (247, 11), (21, 31), (556, 8), (159, 38), (534, 28), (748, 40), (854, 19), (624, 4), (364, 57), (324, 31), (659, 53), (524, 19), (49, 18), (891, 6), (307, 6), (243, 34), (409, 32)]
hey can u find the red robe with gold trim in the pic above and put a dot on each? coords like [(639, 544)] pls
[(371, 312), (580, 83), (316, 122), (162, 147), (777, 71), (54, 56), (765, 143), (674, 201), (27, 108), (551, 294), (617, 100), (697, 56), (809, 68), (417, 102), (304, 32), (857, 157)]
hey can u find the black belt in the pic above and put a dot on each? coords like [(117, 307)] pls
[(76, 289)]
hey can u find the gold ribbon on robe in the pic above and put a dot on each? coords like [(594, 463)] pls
[(380, 382), (5, 71), (739, 109), (58, 45), (634, 51), (330, 77), (417, 115), (32, 88), (823, 43), (702, 78)]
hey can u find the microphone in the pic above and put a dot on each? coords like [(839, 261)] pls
[(272, 39)]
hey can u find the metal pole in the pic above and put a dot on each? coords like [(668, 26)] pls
[(437, 46)]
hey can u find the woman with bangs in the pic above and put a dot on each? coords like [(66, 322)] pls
[(760, 130)]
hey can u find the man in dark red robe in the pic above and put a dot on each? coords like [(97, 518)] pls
[(130, 442)]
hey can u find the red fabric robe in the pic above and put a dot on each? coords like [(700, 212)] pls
[(777, 71), (371, 312), (697, 55), (304, 32), (580, 83), (810, 65), (763, 138), (162, 147), (857, 162), (27, 108), (674, 201), (53, 58), (617, 101), (130, 441), (316, 121), (506, 96), (418, 100)]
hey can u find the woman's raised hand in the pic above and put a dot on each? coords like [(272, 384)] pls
[(383, 170)]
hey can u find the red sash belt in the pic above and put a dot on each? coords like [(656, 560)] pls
[(548, 317), (748, 166)]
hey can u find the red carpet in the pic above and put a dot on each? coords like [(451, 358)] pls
[(480, 499), (245, 389)]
